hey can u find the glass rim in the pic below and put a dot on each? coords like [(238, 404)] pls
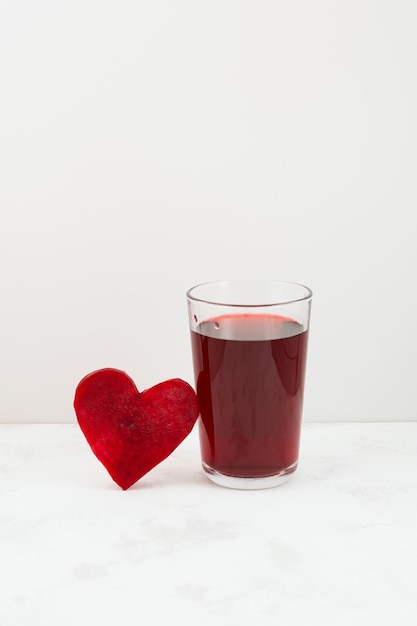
[(271, 303)]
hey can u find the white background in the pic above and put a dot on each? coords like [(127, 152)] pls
[(148, 146)]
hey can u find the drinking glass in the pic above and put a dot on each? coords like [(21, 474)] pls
[(249, 347)]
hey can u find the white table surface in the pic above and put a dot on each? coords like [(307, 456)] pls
[(337, 544)]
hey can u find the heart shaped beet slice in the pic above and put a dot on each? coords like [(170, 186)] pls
[(132, 432)]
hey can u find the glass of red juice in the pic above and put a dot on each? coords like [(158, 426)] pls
[(249, 348)]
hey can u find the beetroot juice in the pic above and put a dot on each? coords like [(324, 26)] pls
[(249, 372)]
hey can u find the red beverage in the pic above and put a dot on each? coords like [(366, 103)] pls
[(249, 372)]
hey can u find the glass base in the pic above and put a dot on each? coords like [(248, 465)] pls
[(261, 482)]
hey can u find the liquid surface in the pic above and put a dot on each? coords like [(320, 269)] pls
[(249, 373)]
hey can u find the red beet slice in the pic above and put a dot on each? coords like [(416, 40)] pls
[(132, 432)]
